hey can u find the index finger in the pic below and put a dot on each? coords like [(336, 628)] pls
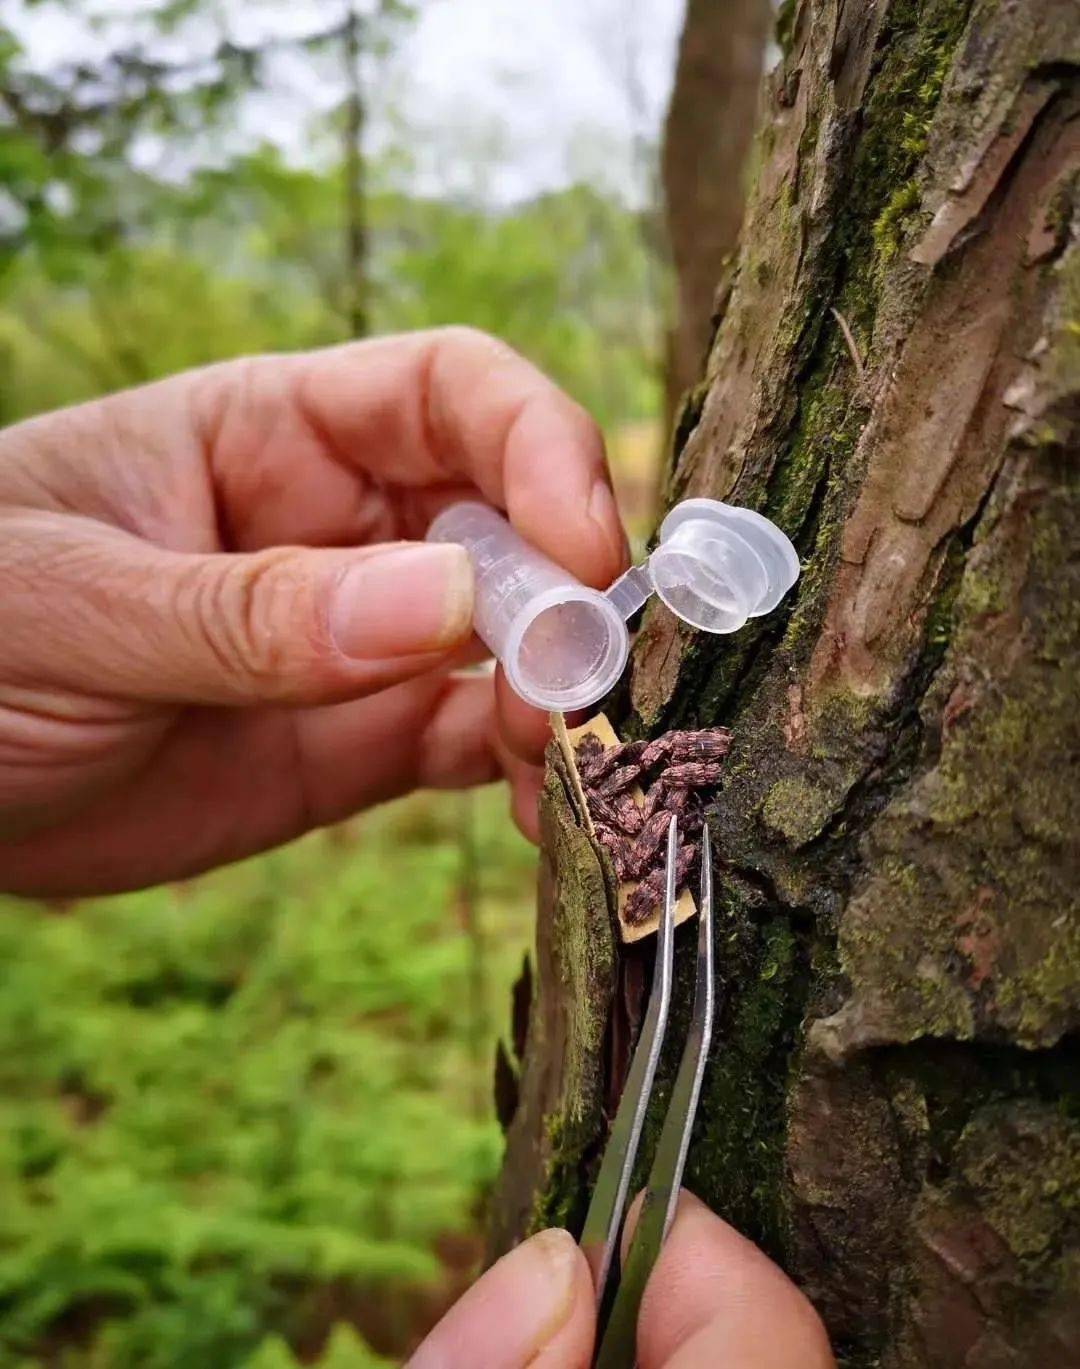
[(452, 407)]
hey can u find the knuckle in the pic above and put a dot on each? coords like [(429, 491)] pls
[(221, 397), (253, 617), (463, 337)]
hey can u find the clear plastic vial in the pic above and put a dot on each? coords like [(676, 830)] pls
[(563, 645)]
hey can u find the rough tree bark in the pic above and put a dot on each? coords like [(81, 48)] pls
[(893, 1098)]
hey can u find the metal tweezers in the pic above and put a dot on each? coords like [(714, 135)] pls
[(619, 1298)]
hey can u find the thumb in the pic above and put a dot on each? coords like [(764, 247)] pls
[(714, 1298), (90, 607), (533, 1307)]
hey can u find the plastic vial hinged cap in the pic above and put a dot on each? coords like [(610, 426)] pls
[(563, 645)]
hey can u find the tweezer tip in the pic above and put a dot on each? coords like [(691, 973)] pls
[(706, 870), (669, 882)]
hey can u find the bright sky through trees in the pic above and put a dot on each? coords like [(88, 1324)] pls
[(500, 98)]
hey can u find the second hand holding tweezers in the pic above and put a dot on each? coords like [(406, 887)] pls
[(618, 1299)]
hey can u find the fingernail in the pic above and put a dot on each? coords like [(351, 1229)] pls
[(604, 512), (403, 601), (544, 1285)]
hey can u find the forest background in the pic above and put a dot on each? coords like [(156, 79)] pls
[(247, 1120)]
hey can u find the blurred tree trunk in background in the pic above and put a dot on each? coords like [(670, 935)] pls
[(892, 1101), (352, 162), (707, 137)]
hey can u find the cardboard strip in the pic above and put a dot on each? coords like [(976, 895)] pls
[(600, 728), (562, 736)]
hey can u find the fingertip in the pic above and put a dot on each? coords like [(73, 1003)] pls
[(604, 513), (713, 1287), (572, 1345), (495, 420), (533, 1307), (525, 729), (558, 489), (688, 1203), (525, 803), (455, 749)]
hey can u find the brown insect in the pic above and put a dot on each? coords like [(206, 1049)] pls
[(631, 816), (693, 775), (712, 744), (673, 771), (650, 891), (647, 844), (598, 763), (615, 781), (602, 810)]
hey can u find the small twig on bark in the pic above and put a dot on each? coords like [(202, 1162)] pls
[(849, 338)]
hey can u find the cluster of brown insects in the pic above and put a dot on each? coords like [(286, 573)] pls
[(682, 765)]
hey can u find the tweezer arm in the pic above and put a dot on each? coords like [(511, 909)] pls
[(603, 1222), (618, 1339)]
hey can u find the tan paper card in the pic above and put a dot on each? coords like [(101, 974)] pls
[(600, 728)]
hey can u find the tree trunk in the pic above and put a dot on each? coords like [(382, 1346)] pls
[(356, 228), (707, 138), (892, 1102)]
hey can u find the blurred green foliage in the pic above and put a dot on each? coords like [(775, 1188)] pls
[(220, 1100), (111, 274), (249, 260), (246, 1121)]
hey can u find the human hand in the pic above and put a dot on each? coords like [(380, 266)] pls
[(712, 1299), (209, 641)]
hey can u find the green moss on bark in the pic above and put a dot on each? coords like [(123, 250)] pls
[(736, 1158)]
